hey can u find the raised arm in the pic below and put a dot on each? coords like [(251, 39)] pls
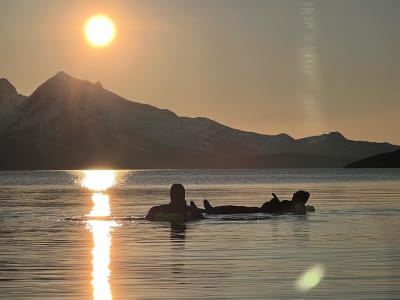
[(275, 196)]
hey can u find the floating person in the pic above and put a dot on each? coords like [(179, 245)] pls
[(296, 205), (177, 210), (228, 209), (276, 206)]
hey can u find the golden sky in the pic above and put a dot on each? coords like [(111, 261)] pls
[(299, 67)]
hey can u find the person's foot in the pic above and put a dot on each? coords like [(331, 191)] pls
[(194, 206)]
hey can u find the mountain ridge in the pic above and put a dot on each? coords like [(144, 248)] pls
[(73, 123)]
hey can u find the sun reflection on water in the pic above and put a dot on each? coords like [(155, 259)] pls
[(99, 181), (101, 205)]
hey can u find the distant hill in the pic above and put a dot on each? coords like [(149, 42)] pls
[(69, 123), (384, 160)]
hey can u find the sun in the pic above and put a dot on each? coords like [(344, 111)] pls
[(99, 30)]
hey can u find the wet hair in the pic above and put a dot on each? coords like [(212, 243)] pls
[(301, 196), (177, 193)]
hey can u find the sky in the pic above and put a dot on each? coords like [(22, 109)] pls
[(298, 67)]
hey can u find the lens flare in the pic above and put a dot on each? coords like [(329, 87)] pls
[(311, 278), (309, 59)]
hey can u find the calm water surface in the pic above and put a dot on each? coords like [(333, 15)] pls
[(347, 249)]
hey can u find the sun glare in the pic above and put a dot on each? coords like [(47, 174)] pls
[(101, 231), (98, 180), (101, 205), (99, 31)]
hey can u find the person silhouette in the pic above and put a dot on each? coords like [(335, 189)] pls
[(177, 210), (296, 205), (275, 206)]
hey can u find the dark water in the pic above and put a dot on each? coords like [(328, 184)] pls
[(349, 246)]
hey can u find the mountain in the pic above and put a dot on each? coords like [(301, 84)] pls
[(383, 160), (9, 100), (335, 144), (69, 123)]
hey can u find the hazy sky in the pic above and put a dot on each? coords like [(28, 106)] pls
[(299, 67)]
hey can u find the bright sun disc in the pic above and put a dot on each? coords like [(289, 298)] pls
[(99, 31)]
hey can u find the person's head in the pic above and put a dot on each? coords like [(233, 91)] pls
[(300, 197), (177, 194)]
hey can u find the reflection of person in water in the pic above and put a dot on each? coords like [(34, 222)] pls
[(177, 210), (296, 205), (178, 232)]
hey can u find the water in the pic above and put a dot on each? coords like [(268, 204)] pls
[(350, 245)]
